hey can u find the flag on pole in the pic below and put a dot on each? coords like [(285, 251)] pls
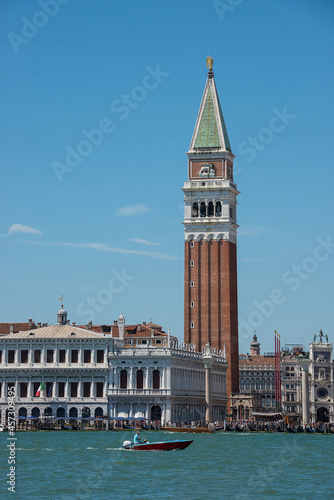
[(41, 388), (50, 391)]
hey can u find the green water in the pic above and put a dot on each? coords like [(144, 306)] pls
[(92, 465)]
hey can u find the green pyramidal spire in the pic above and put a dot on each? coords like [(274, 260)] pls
[(210, 132)]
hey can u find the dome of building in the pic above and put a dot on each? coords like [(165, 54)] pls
[(62, 316)]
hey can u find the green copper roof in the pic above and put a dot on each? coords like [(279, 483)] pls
[(210, 131), (207, 135), (226, 139)]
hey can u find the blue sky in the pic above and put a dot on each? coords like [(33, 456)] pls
[(121, 82)]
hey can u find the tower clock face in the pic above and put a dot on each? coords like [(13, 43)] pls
[(322, 393)]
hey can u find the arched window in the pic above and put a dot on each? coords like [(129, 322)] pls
[(268, 384), (98, 412), (247, 383), (203, 209), (242, 384), (124, 379), (140, 379), (263, 383), (257, 383), (86, 412), (210, 209), (218, 209), (48, 412), (156, 379), (73, 413), (60, 412), (35, 412), (23, 412), (252, 384), (194, 212)]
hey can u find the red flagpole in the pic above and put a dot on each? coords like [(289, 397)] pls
[(279, 372), (275, 371)]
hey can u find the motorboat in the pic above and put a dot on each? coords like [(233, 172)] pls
[(179, 444)]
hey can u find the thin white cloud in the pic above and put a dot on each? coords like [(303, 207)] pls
[(145, 242), (253, 231), (132, 210), (106, 248), (20, 228)]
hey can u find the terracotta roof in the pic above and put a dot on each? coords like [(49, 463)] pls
[(18, 327), (256, 361)]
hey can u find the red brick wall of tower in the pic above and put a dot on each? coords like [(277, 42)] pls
[(211, 304)]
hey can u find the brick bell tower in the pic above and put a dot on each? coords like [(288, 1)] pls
[(210, 225)]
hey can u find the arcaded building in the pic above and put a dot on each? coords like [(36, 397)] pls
[(119, 371)]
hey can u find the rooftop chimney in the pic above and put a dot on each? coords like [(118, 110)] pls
[(152, 331), (11, 328)]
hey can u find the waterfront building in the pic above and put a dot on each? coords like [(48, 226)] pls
[(72, 364), (257, 383), (119, 371), (321, 384), (210, 230), (291, 382)]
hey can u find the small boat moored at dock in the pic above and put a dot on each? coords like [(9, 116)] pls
[(180, 444)]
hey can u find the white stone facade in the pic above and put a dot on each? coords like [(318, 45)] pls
[(88, 374), (171, 383)]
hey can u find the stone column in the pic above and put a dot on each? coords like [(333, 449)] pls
[(208, 360), (304, 364)]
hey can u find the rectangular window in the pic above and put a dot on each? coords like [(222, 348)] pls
[(61, 389), (0, 356), (49, 356), (144, 341), (87, 356), (192, 304), (100, 356), (35, 387), (24, 356), (99, 389), (37, 356), (86, 389), (10, 388), (192, 284), (23, 389), (62, 355), (192, 263), (74, 356), (74, 389), (11, 356), (48, 389), (192, 325), (158, 341), (192, 244)]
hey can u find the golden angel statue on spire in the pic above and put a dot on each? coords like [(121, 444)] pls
[(209, 62)]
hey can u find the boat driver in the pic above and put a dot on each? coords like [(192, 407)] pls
[(137, 438)]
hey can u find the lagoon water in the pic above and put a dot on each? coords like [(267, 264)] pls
[(71, 465)]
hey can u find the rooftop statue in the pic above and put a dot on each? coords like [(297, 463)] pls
[(209, 62)]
